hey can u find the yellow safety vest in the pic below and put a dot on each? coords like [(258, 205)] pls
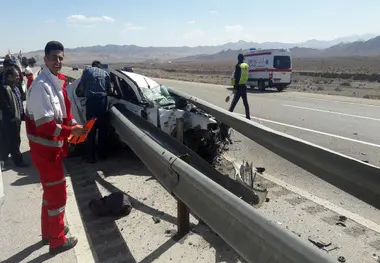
[(244, 75)]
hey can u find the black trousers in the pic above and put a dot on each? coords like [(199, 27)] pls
[(97, 107), (10, 141), (241, 91)]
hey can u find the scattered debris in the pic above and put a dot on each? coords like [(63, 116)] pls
[(331, 248), (145, 198), (260, 169), (355, 133), (363, 154), (190, 244), (341, 259), (156, 219), (267, 199), (342, 218), (365, 161), (298, 234), (116, 204), (279, 223), (341, 224), (319, 243)]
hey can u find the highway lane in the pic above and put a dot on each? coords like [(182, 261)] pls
[(345, 125), (351, 130), (346, 128)]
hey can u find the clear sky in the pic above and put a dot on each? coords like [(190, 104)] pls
[(28, 25)]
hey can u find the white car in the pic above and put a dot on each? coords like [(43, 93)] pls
[(152, 101)]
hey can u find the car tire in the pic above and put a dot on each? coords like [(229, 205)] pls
[(280, 89)]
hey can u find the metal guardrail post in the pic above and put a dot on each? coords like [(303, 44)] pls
[(245, 229), (183, 213)]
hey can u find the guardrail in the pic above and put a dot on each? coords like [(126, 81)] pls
[(244, 228), (360, 179)]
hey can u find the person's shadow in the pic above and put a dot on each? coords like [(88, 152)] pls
[(23, 254), (29, 174)]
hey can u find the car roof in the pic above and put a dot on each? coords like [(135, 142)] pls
[(140, 80)]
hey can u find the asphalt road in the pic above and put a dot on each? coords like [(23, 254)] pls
[(346, 125)]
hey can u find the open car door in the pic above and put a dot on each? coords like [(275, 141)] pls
[(75, 92)]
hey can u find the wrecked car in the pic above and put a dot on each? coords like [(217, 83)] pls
[(152, 101)]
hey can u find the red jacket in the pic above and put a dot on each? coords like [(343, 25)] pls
[(29, 76), (48, 114)]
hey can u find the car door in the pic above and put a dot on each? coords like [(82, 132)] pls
[(129, 97), (75, 92)]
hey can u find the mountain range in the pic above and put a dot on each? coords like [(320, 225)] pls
[(348, 46)]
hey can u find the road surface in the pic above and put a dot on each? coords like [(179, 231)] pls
[(147, 234), (346, 125), (339, 123)]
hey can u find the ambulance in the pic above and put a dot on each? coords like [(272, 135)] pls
[(269, 68)]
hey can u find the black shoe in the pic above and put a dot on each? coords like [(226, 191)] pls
[(2, 166), (45, 241), (69, 244)]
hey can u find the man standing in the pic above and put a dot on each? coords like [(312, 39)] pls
[(28, 73), (12, 113), (239, 82), (49, 123), (97, 85)]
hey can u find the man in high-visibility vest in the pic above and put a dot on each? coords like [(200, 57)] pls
[(239, 82)]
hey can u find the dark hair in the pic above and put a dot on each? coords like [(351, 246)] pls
[(53, 45), (240, 57), (96, 63), (9, 72)]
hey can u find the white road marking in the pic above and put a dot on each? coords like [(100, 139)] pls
[(332, 112), (328, 205), (1, 184), (335, 101), (314, 131), (82, 249)]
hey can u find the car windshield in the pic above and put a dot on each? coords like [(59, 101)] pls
[(158, 94)]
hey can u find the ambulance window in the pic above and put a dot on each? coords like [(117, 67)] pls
[(281, 62)]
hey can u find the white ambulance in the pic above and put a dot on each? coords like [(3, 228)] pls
[(269, 68)]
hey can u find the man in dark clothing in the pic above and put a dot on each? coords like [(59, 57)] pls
[(11, 62), (12, 113), (97, 85), (239, 82)]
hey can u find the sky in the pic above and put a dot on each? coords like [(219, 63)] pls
[(77, 23)]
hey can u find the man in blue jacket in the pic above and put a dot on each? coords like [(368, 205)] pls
[(97, 85)]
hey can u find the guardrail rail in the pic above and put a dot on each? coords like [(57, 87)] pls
[(244, 228), (358, 178)]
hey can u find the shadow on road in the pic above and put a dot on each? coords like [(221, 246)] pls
[(107, 243), (105, 239), (23, 254), (30, 174), (257, 91)]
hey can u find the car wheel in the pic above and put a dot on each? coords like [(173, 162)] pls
[(280, 89)]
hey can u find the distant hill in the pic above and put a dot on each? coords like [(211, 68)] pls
[(133, 53), (370, 47)]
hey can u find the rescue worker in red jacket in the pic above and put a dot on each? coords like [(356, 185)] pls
[(28, 73), (48, 124)]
